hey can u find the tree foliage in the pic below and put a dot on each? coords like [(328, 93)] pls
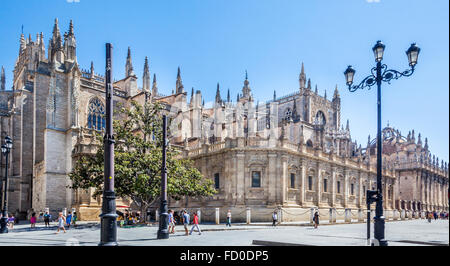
[(137, 161)]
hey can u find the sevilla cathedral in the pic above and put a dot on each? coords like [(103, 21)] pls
[(292, 154)]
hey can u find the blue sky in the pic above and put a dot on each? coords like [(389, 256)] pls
[(217, 40)]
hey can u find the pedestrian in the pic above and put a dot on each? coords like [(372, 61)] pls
[(69, 220), (274, 218), (316, 219), (228, 218), (11, 221), (33, 220), (430, 216), (171, 222), (74, 219), (47, 218), (61, 221), (195, 224), (435, 215), (186, 222)]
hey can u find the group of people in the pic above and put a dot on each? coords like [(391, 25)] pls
[(129, 218), (62, 220), (435, 215), (11, 220), (186, 221)]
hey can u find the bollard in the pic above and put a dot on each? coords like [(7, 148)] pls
[(334, 215), (157, 215), (217, 216), (360, 215), (402, 215), (311, 217), (199, 214), (348, 217), (331, 215), (279, 214), (249, 215)]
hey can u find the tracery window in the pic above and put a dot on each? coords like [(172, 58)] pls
[(96, 116)]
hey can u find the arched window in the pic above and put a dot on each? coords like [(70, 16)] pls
[(320, 119), (96, 116)]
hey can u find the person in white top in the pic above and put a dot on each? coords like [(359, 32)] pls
[(228, 218), (274, 218), (61, 222)]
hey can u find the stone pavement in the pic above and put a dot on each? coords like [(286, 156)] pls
[(399, 233)]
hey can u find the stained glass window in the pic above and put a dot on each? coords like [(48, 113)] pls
[(96, 117)]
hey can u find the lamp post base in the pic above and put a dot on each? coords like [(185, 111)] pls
[(3, 225)]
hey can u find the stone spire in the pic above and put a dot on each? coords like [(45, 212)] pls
[(129, 71), (316, 91), (309, 85), (336, 93), (218, 98), (92, 70), (325, 95), (237, 98), (23, 44), (228, 96), (146, 77), (246, 91), (347, 127), (70, 44), (2, 80), (302, 78), (419, 140), (56, 37), (191, 103), (154, 86), (274, 95), (179, 86), (413, 138), (426, 144)]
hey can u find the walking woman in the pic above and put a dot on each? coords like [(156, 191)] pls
[(195, 224), (274, 218), (228, 218), (171, 223), (61, 221), (316, 219), (33, 220)]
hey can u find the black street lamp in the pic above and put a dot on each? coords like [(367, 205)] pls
[(379, 74), (163, 231), (108, 232), (6, 149)]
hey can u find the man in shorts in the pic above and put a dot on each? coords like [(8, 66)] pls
[(186, 222)]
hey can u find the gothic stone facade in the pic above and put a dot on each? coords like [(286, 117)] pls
[(291, 153)]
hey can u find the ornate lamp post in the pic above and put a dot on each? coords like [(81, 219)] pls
[(163, 232), (380, 74), (108, 233), (6, 149)]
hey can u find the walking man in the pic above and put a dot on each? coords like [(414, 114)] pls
[(195, 224), (316, 219), (47, 218), (228, 218), (274, 218), (186, 222), (171, 222)]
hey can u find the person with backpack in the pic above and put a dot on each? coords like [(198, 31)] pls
[(69, 220), (186, 222), (195, 224), (47, 218)]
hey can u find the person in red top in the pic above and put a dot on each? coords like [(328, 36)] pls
[(195, 224)]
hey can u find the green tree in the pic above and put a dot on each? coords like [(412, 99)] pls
[(137, 161)]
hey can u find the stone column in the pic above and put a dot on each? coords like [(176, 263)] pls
[(249, 215), (217, 216), (403, 214), (346, 177), (284, 178), (319, 184), (360, 189), (272, 177), (303, 184), (240, 178), (333, 185)]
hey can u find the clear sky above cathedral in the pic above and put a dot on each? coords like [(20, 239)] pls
[(217, 40)]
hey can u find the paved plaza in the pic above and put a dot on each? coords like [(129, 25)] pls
[(398, 233)]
